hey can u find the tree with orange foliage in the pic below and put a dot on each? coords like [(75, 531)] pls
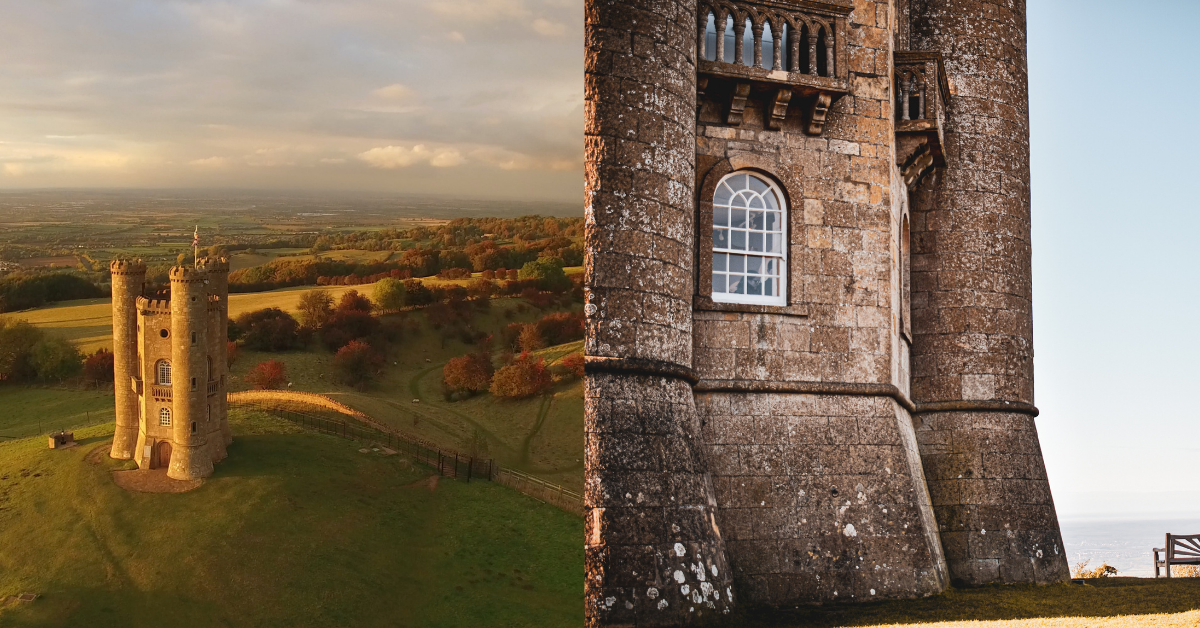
[(525, 377), (268, 375)]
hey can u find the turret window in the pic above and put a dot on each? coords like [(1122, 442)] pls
[(749, 250), (163, 369), (164, 417)]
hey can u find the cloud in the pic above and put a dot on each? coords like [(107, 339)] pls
[(479, 10), (456, 37), (209, 162), (392, 157), (396, 92), (546, 28)]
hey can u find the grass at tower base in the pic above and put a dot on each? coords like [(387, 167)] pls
[(296, 528)]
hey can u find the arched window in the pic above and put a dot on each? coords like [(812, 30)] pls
[(163, 370), (749, 243), (164, 417)]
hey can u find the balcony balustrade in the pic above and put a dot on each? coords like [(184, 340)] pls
[(779, 48), (213, 388), (922, 93), (161, 393)]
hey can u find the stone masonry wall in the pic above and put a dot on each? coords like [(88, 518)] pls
[(820, 496), (654, 554), (971, 302)]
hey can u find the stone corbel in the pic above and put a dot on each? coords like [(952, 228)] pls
[(776, 109), (817, 110), (737, 103)]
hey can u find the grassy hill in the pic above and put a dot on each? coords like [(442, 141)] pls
[(295, 528)]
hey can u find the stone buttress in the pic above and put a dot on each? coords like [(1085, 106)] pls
[(654, 552)]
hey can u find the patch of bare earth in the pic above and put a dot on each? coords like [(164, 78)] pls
[(96, 455), (152, 481), (430, 482)]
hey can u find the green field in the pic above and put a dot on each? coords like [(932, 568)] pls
[(294, 529), (28, 412)]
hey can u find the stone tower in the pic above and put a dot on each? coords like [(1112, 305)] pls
[(972, 305), (171, 369), (809, 348)]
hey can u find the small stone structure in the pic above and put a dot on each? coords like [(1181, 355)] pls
[(171, 369), (61, 439), (809, 370)]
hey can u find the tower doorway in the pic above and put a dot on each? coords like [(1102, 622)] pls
[(164, 454)]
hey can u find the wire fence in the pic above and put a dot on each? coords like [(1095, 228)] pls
[(43, 427)]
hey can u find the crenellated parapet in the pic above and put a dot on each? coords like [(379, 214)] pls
[(127, 267), (150, 307), (186, 274), (214, 264)]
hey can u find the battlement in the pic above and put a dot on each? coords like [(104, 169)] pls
[(186, 274), (127, 267), (153, 306), (214, 264)]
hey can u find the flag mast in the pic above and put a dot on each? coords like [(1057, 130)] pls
[(196, 247)]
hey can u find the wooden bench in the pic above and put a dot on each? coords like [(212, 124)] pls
[(1181, 549)]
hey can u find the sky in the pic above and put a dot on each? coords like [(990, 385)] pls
[(479, 98), (484, 98)]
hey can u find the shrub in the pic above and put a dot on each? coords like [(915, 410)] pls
[(416, 293), (561, 327), (1081, 570), (357, 363), (572, 364), (511, 335), (17, 339), (525, 377), (530, 339), (1185, 571), (98, 367), (269, 329), (316, 308), (346, 326), (389, 294), (548, 272), (268, 375), (469, 373), (231, 353), (55, 359), (352, 301)]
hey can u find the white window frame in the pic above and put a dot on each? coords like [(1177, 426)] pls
[(164, 417), (780, 258), (159, 370)]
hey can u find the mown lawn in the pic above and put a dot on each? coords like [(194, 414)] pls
[(1101, 603), (294, 529)]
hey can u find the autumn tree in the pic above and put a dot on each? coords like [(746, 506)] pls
[(530, 339), (316, 308), (268, 329), (470, 373), (98, 367), (389, 294), (55, 359), (525, 377), (357, 363), (268, 375)]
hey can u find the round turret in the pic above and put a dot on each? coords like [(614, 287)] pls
[(190, 457), (128, 279)]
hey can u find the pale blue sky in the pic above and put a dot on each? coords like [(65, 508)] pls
[(1114, 95), (484, 98)]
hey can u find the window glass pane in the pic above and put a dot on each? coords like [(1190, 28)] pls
[(756, 220), (756, 242), (720, 238), (770, 267), (767, 288), (710, 38), (768, 47), (737, 263), (756, 202), (753, 264), (754, 285), (769, 197), (748, 43), (739, 182), (758, 185), (718, 282), (722, 195), (720, 217), (772, 221), (719, 261), (738, 218), (730, 35), (772, 244), (738, 240), (736, 284)]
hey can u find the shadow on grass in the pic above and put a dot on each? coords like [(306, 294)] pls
[(1100, 597)]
